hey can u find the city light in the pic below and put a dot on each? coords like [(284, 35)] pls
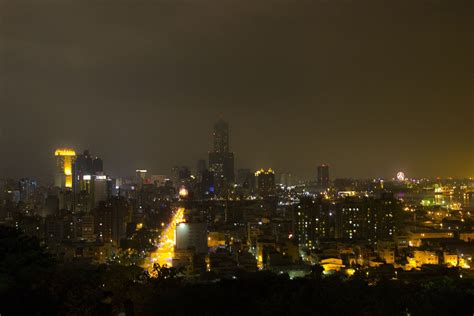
[(216, 157), (164, 253), (65, 152), (183, 192), (64, 161)]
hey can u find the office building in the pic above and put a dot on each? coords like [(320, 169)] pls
[(323, 176), (265, 180), (97, 165), (85, 169), (207, 183), (200, 167), (192, 236), (65, 158), (221, 160), (314, 220), (367, 218), (27, 188), (141, 177), (243, 175), (286, 179), (100, 189), (111, 219)]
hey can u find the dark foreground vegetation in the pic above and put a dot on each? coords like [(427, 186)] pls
[(32, 283)]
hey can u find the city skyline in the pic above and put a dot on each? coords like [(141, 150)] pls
[(219, 145), (310, 175), (382, 82), (237, 157)]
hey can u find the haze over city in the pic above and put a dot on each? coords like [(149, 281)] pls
[(368, 87), (236, 157)]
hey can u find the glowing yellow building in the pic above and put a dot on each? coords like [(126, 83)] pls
[(422, 257), (65, 158)]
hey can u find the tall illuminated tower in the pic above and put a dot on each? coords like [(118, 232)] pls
[(221, 160), (65, 158), (221, 137)]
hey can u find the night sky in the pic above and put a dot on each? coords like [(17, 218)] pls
[(369, 87)]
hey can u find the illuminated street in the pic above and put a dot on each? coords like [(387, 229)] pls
[(163, 255), (214, 157)]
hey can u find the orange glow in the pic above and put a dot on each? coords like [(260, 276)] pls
[(183, 192), (66, 158), (64, 152), (68, 183), (164, 254)]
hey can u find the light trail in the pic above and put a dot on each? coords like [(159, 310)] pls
[(164, 254)]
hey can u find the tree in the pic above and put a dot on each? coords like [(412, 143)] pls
[(25, 269)]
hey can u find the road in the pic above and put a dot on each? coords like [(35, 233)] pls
[(163, 255)]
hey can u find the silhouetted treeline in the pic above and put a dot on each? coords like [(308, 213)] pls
[(32, 283)]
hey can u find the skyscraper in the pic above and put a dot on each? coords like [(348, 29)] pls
[(88, 181), (97, 166), (200, 168), (83, 164), (314, 221), (323, 176), (246, 179), (82, 168), (285, 179), (100, 192), (221, 137), (180, 175), (265, 182), (65, 158), (221, 160), (27, 188), (141, 177), (111, 220)]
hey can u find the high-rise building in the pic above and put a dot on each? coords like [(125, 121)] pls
[(83, 164), (84, 168), (97, 165), (221, 160), (180, 175), (66, 200), (314, 220), (158, 180), (100, 189), (367, 218), (353, 219), (65, 158), (141, 177), (111, 220), (88, 182), (192, 236), (323, 176), (207, 183), (222, 164), (246, 178), (385, 217), (200, 167), (51, 206), (265, 182), (221, 137), (27, 188), (85, 227), (243, 175), (285, 179)]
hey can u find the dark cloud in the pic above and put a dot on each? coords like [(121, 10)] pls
[(367, 86)]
